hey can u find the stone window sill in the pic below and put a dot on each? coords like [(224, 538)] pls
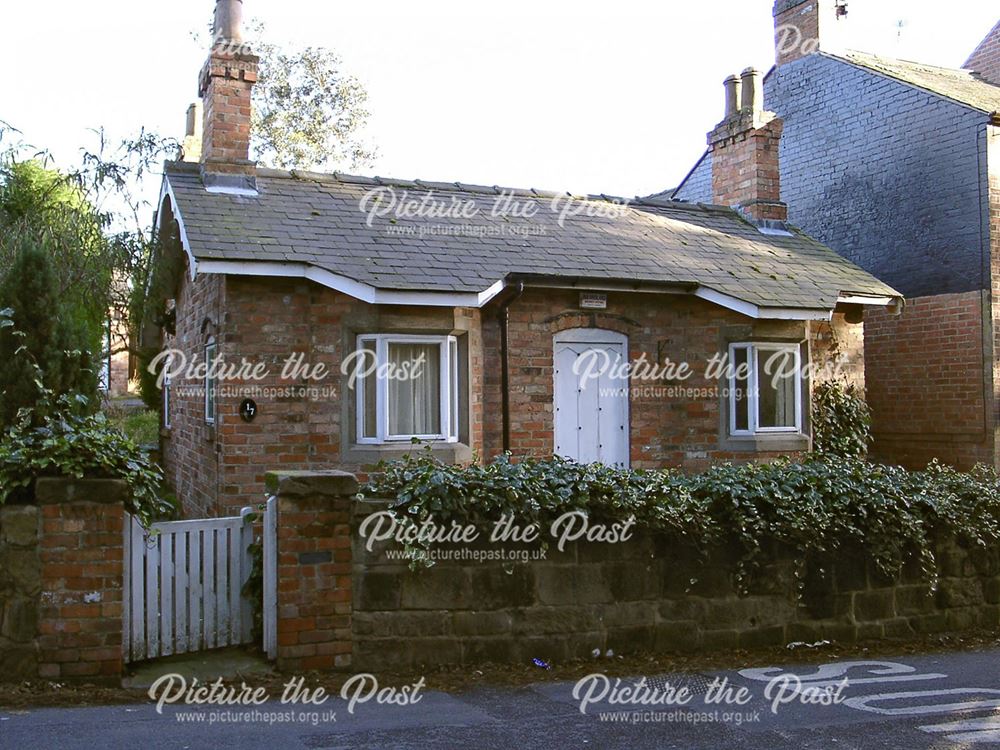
[(763, 443), (371, 454)]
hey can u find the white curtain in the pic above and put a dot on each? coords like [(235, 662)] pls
[(415, 402), (776, 381)]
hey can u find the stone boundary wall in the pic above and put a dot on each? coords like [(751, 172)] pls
[(61, 582), (20, 591), (649, 594)]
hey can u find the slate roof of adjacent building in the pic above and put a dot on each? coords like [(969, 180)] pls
[(962, 86), (958, 85), (317, 219)]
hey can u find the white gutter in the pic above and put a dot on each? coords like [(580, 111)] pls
[(357, 289), (761, 313), (862, 299)]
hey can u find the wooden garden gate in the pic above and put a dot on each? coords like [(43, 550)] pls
[(183, 586)]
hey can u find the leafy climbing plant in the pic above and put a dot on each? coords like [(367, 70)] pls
[(841, 420)]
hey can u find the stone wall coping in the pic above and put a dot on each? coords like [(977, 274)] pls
[(50, 490), (364, 507), (331, 483)]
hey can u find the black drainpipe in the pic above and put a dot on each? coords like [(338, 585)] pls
[(505, 365)]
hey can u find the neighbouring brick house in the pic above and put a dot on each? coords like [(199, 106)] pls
[(500, 305), (118, 368), (896, 165)]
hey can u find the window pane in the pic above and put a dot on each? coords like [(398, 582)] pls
[(369, 389), (453, 354), (210, 384), (776, 378), (414, 389), (741, 369), (166, 401)]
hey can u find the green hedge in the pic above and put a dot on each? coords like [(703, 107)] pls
[(814, 507), (58, 435)]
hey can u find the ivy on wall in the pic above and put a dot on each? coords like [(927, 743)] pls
[(811, 508)]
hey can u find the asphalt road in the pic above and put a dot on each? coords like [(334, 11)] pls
[(933, 701)]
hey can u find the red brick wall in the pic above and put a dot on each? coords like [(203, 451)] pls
[(119, 374), (666, 429), (81, 549), (985, 60), (933, 374), (217, 470), (227, 81), (314, 571), (190, 446), (745, 171), (925, 373), (267, 319), (805, 18)]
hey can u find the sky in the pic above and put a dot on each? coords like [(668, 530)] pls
[(589, 97)]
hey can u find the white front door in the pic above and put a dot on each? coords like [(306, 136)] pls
[(591, 396)]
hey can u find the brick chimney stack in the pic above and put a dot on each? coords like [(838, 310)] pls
[(224, 85), (802, 27), (744, 150)]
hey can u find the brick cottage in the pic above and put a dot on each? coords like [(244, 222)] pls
[(504, 296), (896, 165)]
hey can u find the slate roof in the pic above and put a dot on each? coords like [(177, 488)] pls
[(962, 86), (317, 219)]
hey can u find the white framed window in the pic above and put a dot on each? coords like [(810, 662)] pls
[(765, 388), (210, 349), (407, 387)]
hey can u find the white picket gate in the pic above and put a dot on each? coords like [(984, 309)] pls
[(183, 584)]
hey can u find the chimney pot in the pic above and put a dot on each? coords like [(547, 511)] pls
[(752, 96), (744, 148), (193, 118), (228, 25), (191, 145), (732, 84)]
